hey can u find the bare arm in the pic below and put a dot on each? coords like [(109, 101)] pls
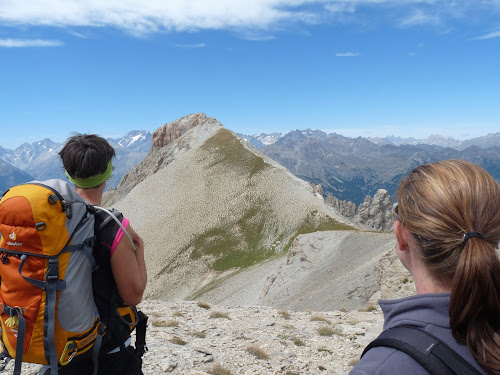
[(129, 269)]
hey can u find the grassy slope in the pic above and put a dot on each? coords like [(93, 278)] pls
[(242, 244)]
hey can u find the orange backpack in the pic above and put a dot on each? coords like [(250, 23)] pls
[(48, 313)]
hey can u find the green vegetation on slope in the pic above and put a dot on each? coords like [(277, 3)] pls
[(245, 242), (230, 151), (236, 246), (241, 245)]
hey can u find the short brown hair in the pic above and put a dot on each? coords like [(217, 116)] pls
[(86, 155)]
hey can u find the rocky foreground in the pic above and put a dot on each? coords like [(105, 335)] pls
[(196, 338)]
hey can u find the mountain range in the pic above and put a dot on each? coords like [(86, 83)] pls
[(347, 168), (490, 140), (352, 168)]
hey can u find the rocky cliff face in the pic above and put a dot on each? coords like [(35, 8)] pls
[(160, 155), (374, 212), (173, 130), (317, 189)]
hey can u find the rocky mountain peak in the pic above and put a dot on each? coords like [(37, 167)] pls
[(171, 131), (374, 212)]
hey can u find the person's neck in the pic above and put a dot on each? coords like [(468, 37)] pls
[(92, 195), (429, 285), (424, 282)]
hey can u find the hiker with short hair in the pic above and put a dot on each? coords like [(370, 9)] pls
[(120, 277), (447, 227)]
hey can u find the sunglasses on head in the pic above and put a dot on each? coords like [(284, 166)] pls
[(395, 212)]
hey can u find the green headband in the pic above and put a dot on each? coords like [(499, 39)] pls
[(92, 181)]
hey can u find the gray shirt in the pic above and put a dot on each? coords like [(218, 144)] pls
[(427, 311)]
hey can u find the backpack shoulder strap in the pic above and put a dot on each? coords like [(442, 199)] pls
[(112, 216), (430, 352)]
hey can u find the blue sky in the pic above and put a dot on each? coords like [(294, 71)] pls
[(356, 67)]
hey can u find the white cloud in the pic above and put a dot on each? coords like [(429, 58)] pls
[(29, 43), (146, 16), (347, 54), (142, 16), (494, 34)]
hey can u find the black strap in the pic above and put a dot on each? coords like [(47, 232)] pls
[(96, 348), (430, 352), (140, 333)]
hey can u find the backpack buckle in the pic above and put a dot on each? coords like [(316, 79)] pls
[(53, 269)]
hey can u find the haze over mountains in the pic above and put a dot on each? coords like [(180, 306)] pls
[(346, 168), (490, 140)]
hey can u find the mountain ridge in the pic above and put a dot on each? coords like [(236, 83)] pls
[(208, 204)]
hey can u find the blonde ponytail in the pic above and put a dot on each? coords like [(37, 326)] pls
[(442, 204)]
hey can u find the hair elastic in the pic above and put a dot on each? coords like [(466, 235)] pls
[(471, 234)]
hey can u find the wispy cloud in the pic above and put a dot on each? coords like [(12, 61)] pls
[(11, 43), (494, 34), (348, 54), (256, 37), (198, 45), (78, 35), (421, 18)]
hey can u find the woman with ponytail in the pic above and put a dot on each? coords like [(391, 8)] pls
[(447, 227)]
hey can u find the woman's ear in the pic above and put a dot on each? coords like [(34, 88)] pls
[(399, 231)]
